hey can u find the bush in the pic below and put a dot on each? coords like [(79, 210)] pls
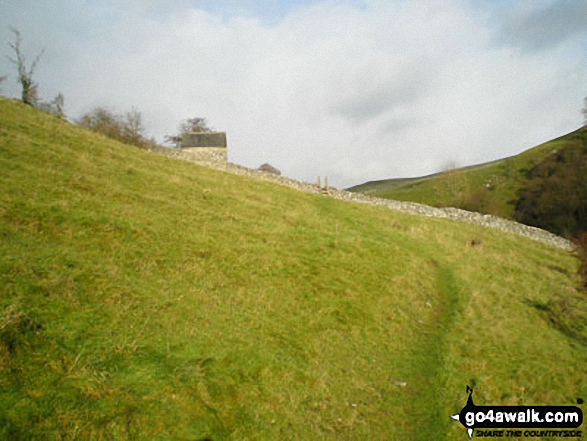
[(555, 197), (481, 200), (269, 169), (128, 128), (103, 121)]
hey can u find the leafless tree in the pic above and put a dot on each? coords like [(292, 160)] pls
[(30, 89), (188, 126), (102, 120), (194, 125), (58, 105), (127, 128), (134, 124), (55, 107)]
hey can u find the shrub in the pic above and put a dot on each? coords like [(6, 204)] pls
[(128, 128), (481, 200), (269, 169), (555, 197)]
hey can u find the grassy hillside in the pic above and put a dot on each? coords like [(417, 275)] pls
[(502, 178), (146, 298), (385, 184)]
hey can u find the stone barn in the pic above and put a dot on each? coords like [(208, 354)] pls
[(205, 147)]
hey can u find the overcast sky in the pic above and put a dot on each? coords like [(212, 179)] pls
[(355, 90)]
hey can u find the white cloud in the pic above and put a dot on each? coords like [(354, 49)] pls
[(391, 89), (538, 25)]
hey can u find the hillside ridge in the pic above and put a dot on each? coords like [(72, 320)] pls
[(490, 187), (382, 184)]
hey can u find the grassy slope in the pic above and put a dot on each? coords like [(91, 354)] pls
[(146, 298), (506, 176), (385, 184)]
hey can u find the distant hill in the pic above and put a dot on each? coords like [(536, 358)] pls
[(501, 178), (143, 298)]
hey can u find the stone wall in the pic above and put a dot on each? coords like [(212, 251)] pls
[(214, 156), (406, 207)]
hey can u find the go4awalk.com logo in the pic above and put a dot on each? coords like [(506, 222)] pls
[(520, 421)]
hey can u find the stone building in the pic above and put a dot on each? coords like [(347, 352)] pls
[(205, 147)]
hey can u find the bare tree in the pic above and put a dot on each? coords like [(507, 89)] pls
[(194, 125), (58, 105), (134, 124), (55, 107), (127, 128), (2, 79), (102, 120), (188, 126), (30, 89)]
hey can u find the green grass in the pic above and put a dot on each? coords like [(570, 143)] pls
[(146, 298), (503, 177)]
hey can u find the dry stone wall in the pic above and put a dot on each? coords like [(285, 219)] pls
[(211, 156), (407, 207)]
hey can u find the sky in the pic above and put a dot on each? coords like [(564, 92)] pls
[(355, 90)]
